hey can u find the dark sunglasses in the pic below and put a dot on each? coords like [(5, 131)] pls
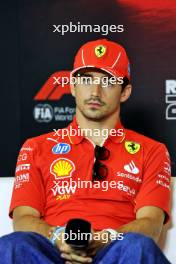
[(100, 170)]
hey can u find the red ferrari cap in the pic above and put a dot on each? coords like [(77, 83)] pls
[(103, 54)]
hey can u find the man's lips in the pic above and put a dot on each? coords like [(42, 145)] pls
[(95, 104)]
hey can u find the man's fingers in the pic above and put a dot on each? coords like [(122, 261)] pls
[(72, 257), (91, 253), (80, 253), (73, 262), (65, 248)]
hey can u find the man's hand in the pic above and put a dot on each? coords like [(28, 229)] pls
[(100, 240), (70, 255)]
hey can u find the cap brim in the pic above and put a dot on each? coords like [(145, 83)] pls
[(111, 72)]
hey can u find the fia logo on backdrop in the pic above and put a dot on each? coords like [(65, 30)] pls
[(47, 99)]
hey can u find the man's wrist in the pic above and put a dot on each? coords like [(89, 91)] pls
[(54, 232)]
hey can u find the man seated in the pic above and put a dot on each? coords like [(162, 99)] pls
[(127, 176)]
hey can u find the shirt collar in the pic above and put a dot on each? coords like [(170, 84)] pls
[(75, 136), (117, 133)]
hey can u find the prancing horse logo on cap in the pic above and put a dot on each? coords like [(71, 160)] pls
[(100, 51)]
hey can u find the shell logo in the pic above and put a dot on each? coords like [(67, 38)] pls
[(62, 168)]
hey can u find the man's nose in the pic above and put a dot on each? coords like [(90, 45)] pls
[(96, 89)]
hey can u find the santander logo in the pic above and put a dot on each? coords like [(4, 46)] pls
[(131, 167)]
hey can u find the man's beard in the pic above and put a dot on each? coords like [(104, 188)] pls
[(94, 114)]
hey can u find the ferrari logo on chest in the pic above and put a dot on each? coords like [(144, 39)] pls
[(132, 147)]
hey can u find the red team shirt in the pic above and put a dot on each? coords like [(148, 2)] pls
[(138, 175)]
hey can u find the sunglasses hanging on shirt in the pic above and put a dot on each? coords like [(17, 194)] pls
[(100, 170)]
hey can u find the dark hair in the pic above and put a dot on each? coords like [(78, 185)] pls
[(125, 82)]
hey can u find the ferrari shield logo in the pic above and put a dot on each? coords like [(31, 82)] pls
[(100, 51), (132, 147)]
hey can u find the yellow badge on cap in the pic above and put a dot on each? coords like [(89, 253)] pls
[(62, 168), (100, 51), (132, 147)]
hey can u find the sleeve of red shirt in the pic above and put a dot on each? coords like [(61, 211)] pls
[(28, 187), (155, 189)]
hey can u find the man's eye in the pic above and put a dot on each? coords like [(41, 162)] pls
[(107, 84), (86, 80)]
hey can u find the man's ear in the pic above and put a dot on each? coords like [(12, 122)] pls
[(72, 89), (126, 93)]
